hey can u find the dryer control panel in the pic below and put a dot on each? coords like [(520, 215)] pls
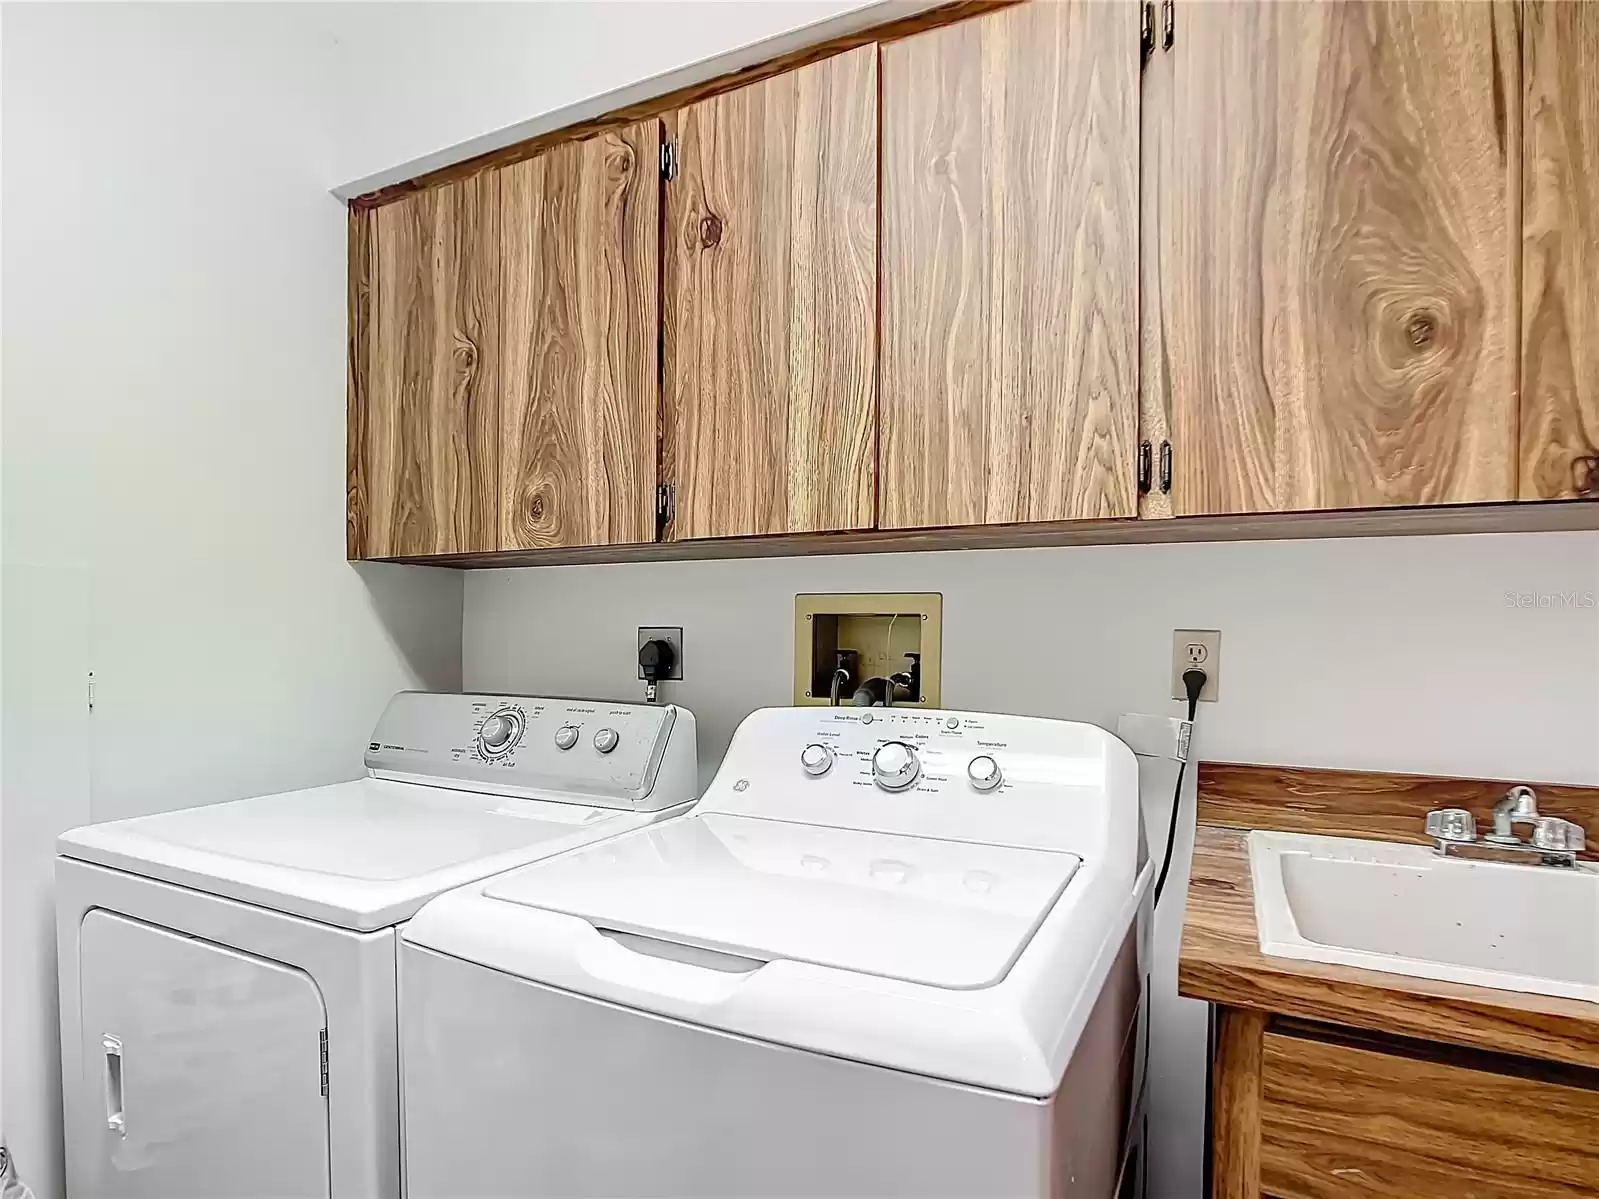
[(969, 776), (584, 751)]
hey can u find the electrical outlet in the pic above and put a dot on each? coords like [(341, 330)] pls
[(672, 637), (1201, 648)]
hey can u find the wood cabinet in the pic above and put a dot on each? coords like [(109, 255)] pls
[(506, 333), (1338, 251), (1049, 265), (1560, 252), (579, 367), (424, 438), (1306, 1111), (770, 304), (1010, 268)]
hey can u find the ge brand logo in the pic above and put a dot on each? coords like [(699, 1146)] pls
[(742, 785)]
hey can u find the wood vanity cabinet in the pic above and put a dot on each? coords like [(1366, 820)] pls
[(1309, 1111), (1009, 269), (1337, 254), (769, 285)]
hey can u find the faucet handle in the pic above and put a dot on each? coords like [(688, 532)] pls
[(1551, 832), (1451, 824)]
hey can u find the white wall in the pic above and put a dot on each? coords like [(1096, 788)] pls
[(1394, 654), (171, 506), (417, 79)]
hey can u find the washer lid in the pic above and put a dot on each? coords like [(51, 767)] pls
[(949, 914), (362, 854)]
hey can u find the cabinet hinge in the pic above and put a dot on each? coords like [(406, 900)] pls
[(1146, 31), (322, 1038), (1146, 467), (669, 161), (1165, 467), (665, 504), (1168, 23)]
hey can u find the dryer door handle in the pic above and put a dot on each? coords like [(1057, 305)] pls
[(115, 1118)]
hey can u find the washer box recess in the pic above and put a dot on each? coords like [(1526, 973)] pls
[(883, 630)]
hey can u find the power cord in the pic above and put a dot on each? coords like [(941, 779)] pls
[(1193, 683)]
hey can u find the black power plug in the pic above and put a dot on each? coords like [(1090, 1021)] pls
[(656, 658)]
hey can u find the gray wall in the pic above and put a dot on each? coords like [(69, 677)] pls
[(1392, 654)]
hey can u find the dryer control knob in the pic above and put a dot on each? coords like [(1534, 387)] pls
[(499, 733), (566, 736), (895, 766), (983, 773), (605, 740), (816, 759)]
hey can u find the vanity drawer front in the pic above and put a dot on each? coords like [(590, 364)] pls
[(1339, 1121)]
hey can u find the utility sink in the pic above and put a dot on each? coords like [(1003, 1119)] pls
[(1405, 910)]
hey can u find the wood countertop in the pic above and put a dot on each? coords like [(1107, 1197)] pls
[(1221, 961)]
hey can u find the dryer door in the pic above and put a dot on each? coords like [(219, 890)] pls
[(202, 1072)]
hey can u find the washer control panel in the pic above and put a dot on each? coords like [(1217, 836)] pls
[(586, 750), (1021, 779)]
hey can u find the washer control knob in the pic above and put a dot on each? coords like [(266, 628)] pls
[(605, 740), (952, 722), (566, 736), (816, 759), (895, 766), (983, 773)]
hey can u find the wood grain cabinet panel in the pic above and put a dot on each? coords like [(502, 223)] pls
[(579, 255), (1560, 252), (1339, 1121), (425, 425), (770, 304), (1010, 268), (1338, 254)]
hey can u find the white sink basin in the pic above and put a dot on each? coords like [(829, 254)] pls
[(1404, 909)]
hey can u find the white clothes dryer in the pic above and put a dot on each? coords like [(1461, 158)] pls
[(227, 973)]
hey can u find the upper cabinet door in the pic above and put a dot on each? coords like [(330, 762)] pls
[(579, 235), (425, 427), (770, 303), (1010, 267), (1560, 253), (1338, 254)]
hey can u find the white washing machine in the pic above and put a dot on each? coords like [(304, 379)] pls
[(228, 995), (890, 952)]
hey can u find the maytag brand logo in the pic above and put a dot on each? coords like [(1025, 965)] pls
[(1551, 599)]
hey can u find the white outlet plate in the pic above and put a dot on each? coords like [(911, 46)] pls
[(1196, 647)]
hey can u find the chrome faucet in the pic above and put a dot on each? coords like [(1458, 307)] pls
[(1555, 842), (1519, 806)]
